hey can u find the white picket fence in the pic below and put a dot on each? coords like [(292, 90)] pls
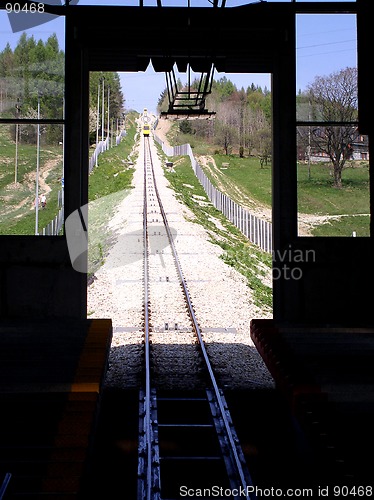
[(257, 230), (100, 148), (103, 146), (119, 136)]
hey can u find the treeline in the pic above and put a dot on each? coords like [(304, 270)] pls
[(242, 123), (32, 85), (32, 76), (106, 104)]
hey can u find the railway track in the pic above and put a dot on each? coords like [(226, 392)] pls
[(187, 441)]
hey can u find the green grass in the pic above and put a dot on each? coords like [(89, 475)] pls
[(238, 252), (254, 181), (114, 171), (26, 224), (318, 196), (345, 226), (315, 196)]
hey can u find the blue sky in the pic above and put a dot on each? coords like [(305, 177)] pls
[(324, 44)]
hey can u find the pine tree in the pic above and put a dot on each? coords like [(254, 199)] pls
[(34, 73)]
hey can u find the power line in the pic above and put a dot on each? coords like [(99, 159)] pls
[(327, 43)]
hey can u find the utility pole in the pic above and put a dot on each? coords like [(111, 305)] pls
[(63, 155), (16, 159), (108, 125), (102, 112), (97, 119), (37, 171), (309, 146)]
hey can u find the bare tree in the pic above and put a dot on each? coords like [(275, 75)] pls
[(227, 126), (334, 101), (256, 127), (264, 140)]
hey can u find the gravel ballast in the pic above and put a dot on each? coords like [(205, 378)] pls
[(222, 300)]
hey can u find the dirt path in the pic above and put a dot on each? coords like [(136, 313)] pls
[(44, 171), (29, 183), (11, 206), (224, 184)]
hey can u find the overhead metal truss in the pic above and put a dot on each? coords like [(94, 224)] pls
[(190, 100)]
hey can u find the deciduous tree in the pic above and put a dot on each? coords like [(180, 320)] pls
[(333, 101)]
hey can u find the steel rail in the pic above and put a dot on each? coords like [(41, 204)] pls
[(197, 329), (5, 484), (147, 351)]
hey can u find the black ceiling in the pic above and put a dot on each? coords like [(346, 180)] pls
[(238, 40)]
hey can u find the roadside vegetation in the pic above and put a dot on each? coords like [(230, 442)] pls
[(109, 184), (115, 167)]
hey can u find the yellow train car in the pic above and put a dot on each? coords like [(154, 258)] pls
[(146, 130)]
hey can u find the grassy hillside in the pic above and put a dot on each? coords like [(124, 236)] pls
[(17, 213), (114, 170), (341, 211)]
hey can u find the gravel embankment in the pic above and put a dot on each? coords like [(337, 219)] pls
[(222, 301)]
